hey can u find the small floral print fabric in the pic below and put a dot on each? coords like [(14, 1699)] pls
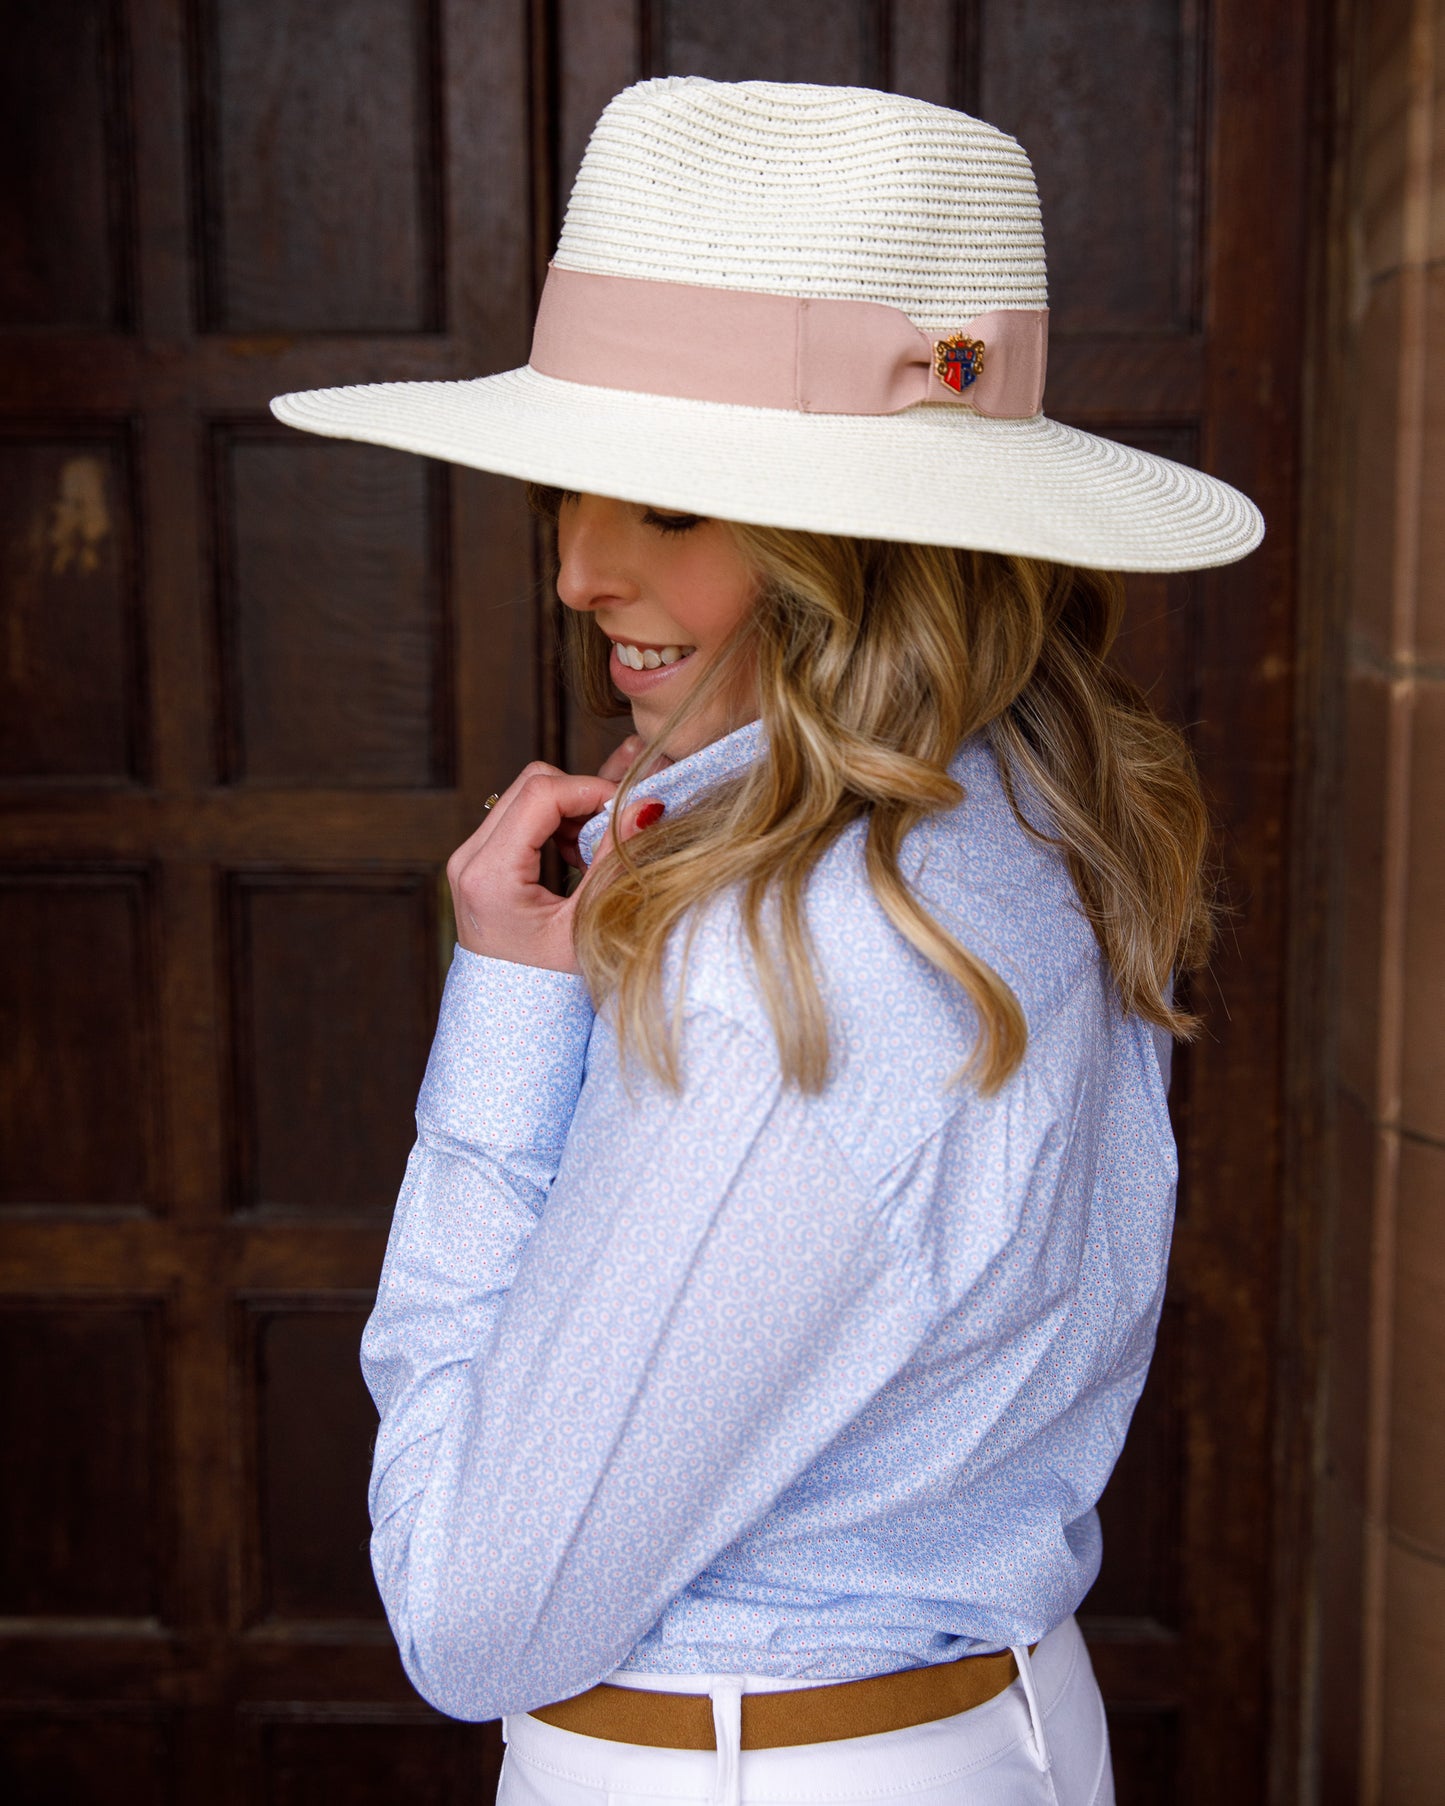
[(739, 1380)]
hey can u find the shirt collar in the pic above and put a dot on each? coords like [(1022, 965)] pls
[(680, 782)]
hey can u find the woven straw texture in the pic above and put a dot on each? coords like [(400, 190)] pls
[(814, 192)]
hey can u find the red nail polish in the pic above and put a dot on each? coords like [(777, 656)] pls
[(649, 813)]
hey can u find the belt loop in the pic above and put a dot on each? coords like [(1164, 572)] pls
[(504, 1727), (1036, 1711), (727, 1730)]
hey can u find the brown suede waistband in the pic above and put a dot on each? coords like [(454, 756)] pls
[(881, 1702)]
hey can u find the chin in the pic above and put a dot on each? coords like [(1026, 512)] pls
[(687, 737)]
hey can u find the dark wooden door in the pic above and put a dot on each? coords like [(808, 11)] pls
[(254, 687)]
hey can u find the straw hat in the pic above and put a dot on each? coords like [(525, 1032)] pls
[(805, 307)]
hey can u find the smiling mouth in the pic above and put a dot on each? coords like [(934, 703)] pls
[(648, 658)]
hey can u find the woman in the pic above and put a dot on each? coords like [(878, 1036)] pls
[(780, 1258)]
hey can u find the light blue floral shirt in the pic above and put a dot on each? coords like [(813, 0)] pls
[(746, 1381)]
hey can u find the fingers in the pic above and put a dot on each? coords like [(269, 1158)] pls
[(527, 814), (486, 827), (503, 853), (620, 761), (615, 765), (502, 908), (536, 810), (637, 818), (565, 840), (638, 815)]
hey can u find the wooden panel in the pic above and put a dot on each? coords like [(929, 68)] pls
[(602, 45), (1158, 647), (320, 129), (1134, 1613), (65, 214), (332, 612), (1132, 1616), (311, 1424), (932, 50), (76, 1025), (258, 1254), (736, 40), (81, 1419), (70, 653), (60, 1757), (1248, 1377), (1105, 100), (1145, 1747), (334, 987), (297, 1759), (1159, 643), (232, 827)]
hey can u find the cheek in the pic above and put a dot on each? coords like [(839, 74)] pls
[(711, 602)]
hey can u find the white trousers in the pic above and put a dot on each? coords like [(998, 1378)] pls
[(1041, 1742)]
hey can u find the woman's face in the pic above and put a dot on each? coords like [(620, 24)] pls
[(667, 589)]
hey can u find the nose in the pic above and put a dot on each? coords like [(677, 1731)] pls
[(592, 540)]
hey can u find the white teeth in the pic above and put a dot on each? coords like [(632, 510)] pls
[(638, 659)]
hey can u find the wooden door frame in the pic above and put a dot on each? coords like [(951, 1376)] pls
[(1316, 1649)]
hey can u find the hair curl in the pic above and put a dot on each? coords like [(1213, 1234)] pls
[(872, 662)]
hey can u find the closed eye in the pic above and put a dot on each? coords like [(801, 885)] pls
[(672, 523)]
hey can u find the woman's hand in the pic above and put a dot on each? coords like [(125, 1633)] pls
[(502, 907), (614, 766)]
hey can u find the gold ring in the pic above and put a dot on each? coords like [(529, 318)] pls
[(495, 797)]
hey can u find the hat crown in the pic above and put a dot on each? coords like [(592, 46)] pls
[(790, 189)]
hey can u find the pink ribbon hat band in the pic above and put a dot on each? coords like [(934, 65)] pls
[(777, 351)]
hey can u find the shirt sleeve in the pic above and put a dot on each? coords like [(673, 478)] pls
[(707, 1299), (501, 1085)]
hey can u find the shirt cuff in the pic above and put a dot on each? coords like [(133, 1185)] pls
[(507, 1061)]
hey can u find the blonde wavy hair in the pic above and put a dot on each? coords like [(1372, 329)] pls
[(870, 662)]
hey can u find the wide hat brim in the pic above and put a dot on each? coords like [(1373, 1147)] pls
[(934, 474)]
